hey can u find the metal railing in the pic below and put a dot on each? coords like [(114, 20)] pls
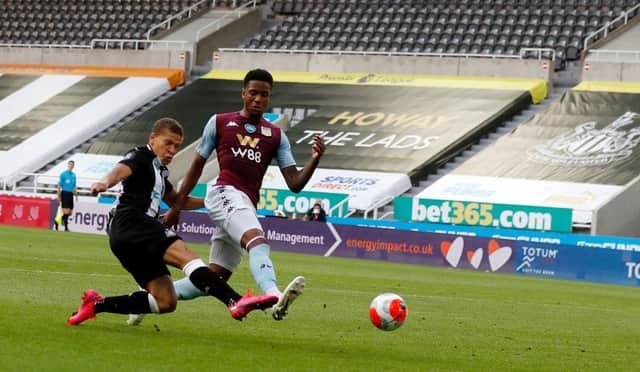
[(167, 22), (45, 182), (523, 53), (4, 181), (380, 203), (137, 43), (233, 4), (51, 46), (539, 53), (338, 206), (606, 55), (219, 23), (610, 25)]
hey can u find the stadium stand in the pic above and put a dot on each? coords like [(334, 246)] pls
[(578, 153), (382, 131), (55, 112), (429, 26), (77, 22)]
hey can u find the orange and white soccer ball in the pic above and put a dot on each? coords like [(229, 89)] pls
[(388, 311)]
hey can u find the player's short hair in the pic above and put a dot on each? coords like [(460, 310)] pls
[(259, 75), (172, 125), (72, 162)]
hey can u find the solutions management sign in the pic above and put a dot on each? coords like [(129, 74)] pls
[(506, 216)]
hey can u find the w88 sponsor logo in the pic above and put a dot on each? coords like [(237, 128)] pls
[(248, 149), (247, 153)]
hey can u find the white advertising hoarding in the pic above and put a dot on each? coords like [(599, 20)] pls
[(583, 198), (365, 188), (88, 168), (89, 217)]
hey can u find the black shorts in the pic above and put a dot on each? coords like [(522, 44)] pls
[(66, 199), (139, 242)]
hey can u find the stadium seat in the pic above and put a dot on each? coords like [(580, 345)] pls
[(117, 17), (474, 26)]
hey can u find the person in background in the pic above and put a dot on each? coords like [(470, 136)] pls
[(316, 213), (67, 189)]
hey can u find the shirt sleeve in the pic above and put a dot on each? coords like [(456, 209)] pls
[(131, 159), (61, 179), (285, 156), (208, 140)]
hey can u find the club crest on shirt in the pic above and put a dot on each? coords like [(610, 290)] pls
[(266, 131), (250, 128), (232, 124)]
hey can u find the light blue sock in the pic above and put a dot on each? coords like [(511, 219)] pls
[(186, 290), (262, 267)]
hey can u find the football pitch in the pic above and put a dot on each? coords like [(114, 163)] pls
[(458, 320)]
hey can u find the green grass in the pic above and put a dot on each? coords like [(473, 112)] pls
[(458, 320)]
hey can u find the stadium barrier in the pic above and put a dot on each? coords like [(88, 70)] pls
[(436, 249), (534, 256), (174, 76), (612, 65), (25, 211), (387, 63), (153, 58)]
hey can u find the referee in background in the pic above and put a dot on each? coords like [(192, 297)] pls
[(66, 191)]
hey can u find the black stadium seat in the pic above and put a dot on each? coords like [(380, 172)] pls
[(79, 21), (457, 26)]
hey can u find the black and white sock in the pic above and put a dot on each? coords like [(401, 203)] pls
[(209, 282), (141, 302)]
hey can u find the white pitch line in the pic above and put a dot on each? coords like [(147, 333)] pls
[(9, 269)]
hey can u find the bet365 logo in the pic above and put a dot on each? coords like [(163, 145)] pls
[(497, 256), (248, 148)]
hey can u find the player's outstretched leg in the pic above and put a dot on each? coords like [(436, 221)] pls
[(291, 292), (140, 302)]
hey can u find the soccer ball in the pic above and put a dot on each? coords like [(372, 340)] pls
[(388, 311)]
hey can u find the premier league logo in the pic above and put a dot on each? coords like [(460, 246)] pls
[(587, 146), (250, 128)]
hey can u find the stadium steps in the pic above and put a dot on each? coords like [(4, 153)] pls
[(506, 128), (81, 148)]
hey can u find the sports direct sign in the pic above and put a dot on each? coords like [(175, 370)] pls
[(365, 189)]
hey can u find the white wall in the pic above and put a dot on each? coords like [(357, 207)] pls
[(161, 58), (386, 64), (619, 216)]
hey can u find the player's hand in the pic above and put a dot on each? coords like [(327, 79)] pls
[(171, 218), (97, 188), (317, 147)]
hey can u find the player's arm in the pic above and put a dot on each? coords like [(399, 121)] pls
[(118, 174), (190, 179), (297, 179), (190, 203), (203, 150)]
